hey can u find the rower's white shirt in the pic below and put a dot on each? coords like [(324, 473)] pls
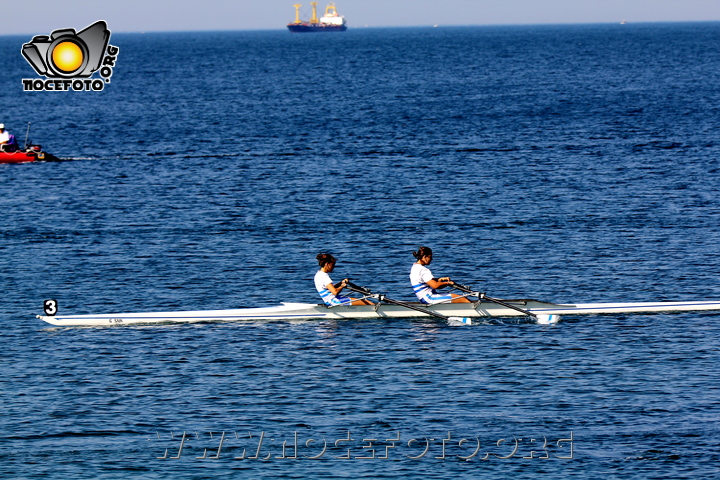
[(322, 279), (419, 276), (4, 136)]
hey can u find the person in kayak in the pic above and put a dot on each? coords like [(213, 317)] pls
[(4, 135), (7, 140), (425, 285), (329, 291)]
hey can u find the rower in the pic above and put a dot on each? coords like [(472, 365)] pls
[(425, 285), (330, 292), (7, 141)]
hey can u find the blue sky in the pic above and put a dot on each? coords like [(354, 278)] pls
[(35, 17)]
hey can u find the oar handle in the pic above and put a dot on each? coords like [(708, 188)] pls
[(464, 288), (358, 288)]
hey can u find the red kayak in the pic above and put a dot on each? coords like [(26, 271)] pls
[(33, 153)]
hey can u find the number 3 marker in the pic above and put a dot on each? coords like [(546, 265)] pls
[(50, 307)]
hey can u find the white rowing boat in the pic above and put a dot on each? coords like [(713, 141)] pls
[(543, 312)]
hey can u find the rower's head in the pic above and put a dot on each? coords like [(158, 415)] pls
[(2, 127), (326, 261), (423, 255)]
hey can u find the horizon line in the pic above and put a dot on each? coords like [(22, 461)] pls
[(369, 27)]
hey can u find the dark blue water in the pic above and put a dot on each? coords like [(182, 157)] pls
[(568, 163)]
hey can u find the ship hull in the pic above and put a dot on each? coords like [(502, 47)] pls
[(304, 27)]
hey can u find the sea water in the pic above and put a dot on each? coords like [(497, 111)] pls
[(563, 163)]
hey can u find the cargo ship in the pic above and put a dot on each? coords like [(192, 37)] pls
[(330, 22)]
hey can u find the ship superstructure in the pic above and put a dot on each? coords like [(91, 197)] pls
[(330, 22)]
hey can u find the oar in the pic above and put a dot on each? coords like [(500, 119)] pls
[(542, 318), (384, 299)]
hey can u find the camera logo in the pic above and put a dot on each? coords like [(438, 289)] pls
[(66, 57)]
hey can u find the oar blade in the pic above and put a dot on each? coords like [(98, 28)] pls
[(547, 318), (457, 321)]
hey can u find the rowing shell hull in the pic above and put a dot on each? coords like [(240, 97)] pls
[(308, 311)]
